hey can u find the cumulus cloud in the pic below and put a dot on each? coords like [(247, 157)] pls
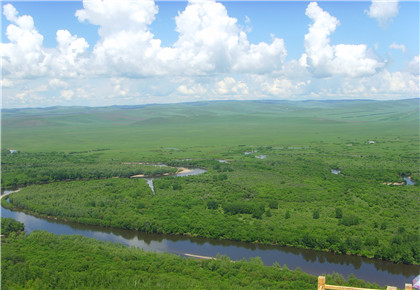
[(283, 87), (127, 46), (229, 86), (210, 40), (69, 58), (66, 94), (391, 84), (196, 89), (211, 59), (25, 55), (324, 59), (414, 65), (120, 89), (57, 83), (26, 97), (384, 11)]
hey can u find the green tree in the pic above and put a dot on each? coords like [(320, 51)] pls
[(338, 213), (212, 204), (273, 204)]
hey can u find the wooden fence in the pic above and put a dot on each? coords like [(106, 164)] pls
[(323, 286)]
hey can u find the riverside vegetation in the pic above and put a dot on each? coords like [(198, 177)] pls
[(43, 260), (290, 197)]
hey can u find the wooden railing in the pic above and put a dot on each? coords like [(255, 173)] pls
[(323, 286)]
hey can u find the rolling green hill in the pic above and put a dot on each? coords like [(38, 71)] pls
[(208, 124)]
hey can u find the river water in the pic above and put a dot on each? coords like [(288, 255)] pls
[(408, 181), (312, 262)]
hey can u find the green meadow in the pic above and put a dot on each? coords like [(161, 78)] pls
[(207, 127)]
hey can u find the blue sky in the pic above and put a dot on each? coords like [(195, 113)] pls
[(126, 52)]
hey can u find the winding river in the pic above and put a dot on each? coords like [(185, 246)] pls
[(313, 262)]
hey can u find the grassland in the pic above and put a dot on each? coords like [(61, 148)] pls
[(206, 127)]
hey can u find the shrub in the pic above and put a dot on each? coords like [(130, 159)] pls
[(349, 220)]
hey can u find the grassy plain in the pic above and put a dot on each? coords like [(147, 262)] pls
[(289, 198), (207, 127)]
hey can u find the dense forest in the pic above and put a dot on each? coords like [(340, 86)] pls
[(23, 168), (45, 261), (291, 197), (9, 226)]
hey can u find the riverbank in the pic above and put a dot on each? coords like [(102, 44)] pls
[(183, 170), (179, 170), (91, 264), (10, 192)]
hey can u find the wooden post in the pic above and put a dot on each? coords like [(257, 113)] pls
[(321, 283), (408, 287)]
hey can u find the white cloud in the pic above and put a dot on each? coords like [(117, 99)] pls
[(229, 86), (6, 83), (283, 87), (414, 65), (384, 11), (68, 58), (196, 89), (24, 55), (26, 97), (112, 17), (57, 83), (211, 41), (384, 85), (394, 84), (120, 89), (398, 47), (325, 60), (126, 47), (66, 94), (212, 59), (247, 19)]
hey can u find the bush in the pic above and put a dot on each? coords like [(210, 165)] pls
[(338, 213), (349, 220), (212, 204), (273, 204)]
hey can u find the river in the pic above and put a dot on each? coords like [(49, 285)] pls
[(312, 262)]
